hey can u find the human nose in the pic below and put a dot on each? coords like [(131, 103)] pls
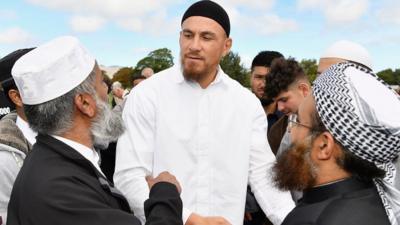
[(195, 44), (263, 83), (280, 106)]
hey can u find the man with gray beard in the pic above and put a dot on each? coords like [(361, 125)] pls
[(60, 182)]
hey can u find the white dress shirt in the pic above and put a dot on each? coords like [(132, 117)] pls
[(87, 153), (213, 140), (29, 134)]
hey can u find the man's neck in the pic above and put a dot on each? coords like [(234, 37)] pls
[(324, 179), (20, 113), (80, 137), (80, 132)]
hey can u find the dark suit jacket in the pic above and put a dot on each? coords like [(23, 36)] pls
[(347, 202), (58, 186), (107, 157)]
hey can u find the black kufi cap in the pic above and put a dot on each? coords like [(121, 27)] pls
[(7, 63), (210, 10)]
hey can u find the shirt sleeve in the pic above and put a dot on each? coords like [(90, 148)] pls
[(135, 150), (276, 204), (134, 155)]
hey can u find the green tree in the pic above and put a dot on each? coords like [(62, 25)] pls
[(310, 68), (158, 60), (396, 77), (231, 64), (388, 76), (124, 75)]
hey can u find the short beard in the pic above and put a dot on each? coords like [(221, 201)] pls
[(192, 74), (294, 169), (107, 126)]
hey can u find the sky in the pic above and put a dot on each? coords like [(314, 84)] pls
[(121, 32)]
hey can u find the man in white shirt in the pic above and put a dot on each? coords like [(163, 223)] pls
[(194, 121), (16, 138), (65, 101)]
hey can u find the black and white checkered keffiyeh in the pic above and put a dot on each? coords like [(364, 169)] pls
[(363, 113)]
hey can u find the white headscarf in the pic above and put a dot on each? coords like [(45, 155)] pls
[(363, 113)]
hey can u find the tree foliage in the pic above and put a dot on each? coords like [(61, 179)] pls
[(310, 68), (158, 60), (231, 64), (389, 76), (124, 75)]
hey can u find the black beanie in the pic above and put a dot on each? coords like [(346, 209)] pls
[(210, 10)]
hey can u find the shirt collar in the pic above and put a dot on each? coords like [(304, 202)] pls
[(321, 193), (178, 75), (28, 133), (87, 153)]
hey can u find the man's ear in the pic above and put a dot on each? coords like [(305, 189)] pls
[(325, 145), (227, 46), (86, 104), (15, 97), (304, 88)]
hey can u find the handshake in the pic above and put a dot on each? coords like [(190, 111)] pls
[(194, 219)]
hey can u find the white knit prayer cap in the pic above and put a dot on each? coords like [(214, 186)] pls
[(52, 70), (350, 51)]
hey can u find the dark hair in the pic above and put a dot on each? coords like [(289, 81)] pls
[(266, 101), (282, 74), (6, 88), (265, 58), (138, 77), (362, 169)]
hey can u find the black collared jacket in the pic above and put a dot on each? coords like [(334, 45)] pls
[(347, 202), (58, 186)]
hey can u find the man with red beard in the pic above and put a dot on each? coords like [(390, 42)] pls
[(345, 139), (196, 122), (65, 101)]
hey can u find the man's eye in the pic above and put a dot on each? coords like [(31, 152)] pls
[(187, 35), (207, 38)]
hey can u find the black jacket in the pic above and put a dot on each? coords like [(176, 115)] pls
[(58, 186), (348, 202)]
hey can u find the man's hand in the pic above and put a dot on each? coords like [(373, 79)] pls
[(195, 219), (163, 177)]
